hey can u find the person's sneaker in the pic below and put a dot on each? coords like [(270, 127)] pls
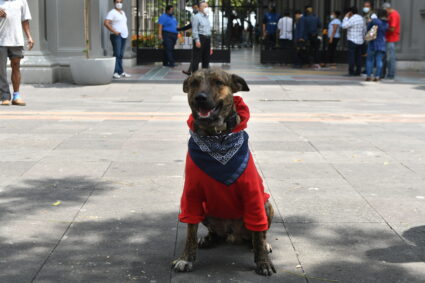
[(125, 75), (368, 79), (188, 73), (376, 79), (18, 102), (116, 76), (5, 102)]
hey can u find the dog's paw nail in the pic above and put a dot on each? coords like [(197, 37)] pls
[(269, 248), (181, 265)]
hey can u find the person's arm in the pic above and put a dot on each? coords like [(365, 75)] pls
[(347, 23), (2, 13), (108, 24), (185, 28), (334, 29), (159, 31), (26, 28), (195, 31)]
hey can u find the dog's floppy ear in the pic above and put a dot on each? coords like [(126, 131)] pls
[(186, 84), (239, 84)]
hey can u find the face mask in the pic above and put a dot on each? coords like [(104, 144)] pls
[(332, 17), (374, 16), (118, 6), (366, 9), (207, 11)]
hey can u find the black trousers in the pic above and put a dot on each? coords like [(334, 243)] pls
[(314, 49), (270, 41), (201, 54), (354, 58), (168, 40), (332, 50)]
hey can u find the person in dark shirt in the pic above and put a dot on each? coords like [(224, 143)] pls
[(270, 28), (185, 28), (300, 42), (312, 25)]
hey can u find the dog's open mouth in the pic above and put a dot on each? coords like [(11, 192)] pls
[(209, 113)]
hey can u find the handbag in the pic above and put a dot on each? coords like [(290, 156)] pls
[(372, 33)]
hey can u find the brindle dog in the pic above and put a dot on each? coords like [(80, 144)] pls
[(210, 95)]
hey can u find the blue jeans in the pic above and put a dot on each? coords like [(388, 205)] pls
[(391, 60), (118, 45), (169, 40), (374, 57)]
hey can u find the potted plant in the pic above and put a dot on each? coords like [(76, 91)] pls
[(91, 71)]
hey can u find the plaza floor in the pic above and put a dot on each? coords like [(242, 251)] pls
[(91, 178)]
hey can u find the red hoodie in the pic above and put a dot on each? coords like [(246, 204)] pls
[(243, 199)]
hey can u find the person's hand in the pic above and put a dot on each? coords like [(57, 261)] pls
[(2, 13), (30, 43), (331, 40), (160, 36), (348, 15), (198, 44), (211, 51)]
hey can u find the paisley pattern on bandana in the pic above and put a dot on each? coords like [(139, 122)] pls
[(222, 148), (222, 157)]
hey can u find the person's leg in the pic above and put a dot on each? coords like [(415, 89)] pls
[(369, 63), (15, 56), (196, 57), (359, 51), (115, 47), (351, 57), (379, 63), (173, 40), (391, 60), (4, 85), (122, 50), (206, 53)]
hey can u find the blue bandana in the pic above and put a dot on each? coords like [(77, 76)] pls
[(222, 157)]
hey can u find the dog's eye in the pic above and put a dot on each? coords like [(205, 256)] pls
[(194, 83), (219, 83)]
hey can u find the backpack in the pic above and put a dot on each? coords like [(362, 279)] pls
[(372, 33)]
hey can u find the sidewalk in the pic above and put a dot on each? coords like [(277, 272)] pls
[(91, 178)]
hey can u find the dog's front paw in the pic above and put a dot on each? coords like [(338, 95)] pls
[(265, 268), (181, 265)]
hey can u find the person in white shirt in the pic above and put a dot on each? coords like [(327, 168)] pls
[(116, 23), (334, 34), (14, 17), (356, 29), (285, 27)]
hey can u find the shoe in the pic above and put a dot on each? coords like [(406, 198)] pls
[(186, 72), (368, 79), (376, 79), (116, 76), (125, 75), (5, 102), (18, 102)]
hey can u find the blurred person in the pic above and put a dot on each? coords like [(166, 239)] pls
[(270, 20), (167, 32), (285, 26), (116, 23), (376, 48), (301, 57), (392, 37), (355, 26), (312, 26), (334, 34), (201, 34), (14, 18), (195, 9)]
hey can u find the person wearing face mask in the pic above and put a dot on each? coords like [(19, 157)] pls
[(201, 34), (168, 33), (334, 34), (116, 23), (368, 11)]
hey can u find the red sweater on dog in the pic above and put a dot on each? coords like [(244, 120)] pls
[(243, 199)]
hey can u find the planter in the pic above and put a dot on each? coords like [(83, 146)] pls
[(151, 55), (93, 71)]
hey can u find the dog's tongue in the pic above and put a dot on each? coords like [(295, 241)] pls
[(204, 113)]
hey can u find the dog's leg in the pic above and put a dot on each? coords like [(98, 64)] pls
[(185, 262), (209, 241), (270, 214), (264, 264)]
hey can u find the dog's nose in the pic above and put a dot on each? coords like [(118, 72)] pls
[(201, 97)]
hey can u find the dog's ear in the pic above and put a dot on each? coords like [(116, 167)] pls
[(239, 84), (186, 84)]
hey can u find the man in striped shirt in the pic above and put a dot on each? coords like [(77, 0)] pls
[(356, 29)]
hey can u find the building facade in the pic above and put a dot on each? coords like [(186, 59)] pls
[(58, 30)]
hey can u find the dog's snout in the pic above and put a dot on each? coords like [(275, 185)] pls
[(201, 97)]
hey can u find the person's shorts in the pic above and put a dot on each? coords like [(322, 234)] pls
[(14, 51)]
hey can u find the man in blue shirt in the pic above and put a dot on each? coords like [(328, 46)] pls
[(168, 33), (270, 28), (311, 24)]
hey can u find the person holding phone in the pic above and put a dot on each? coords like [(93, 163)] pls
[(116, 23), (14, 17)]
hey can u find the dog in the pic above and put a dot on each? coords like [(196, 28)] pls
[(223, 189)]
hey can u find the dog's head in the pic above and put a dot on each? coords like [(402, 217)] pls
[(210, 94)]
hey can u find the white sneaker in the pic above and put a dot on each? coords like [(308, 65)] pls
[(116, 76), (125, 75)]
